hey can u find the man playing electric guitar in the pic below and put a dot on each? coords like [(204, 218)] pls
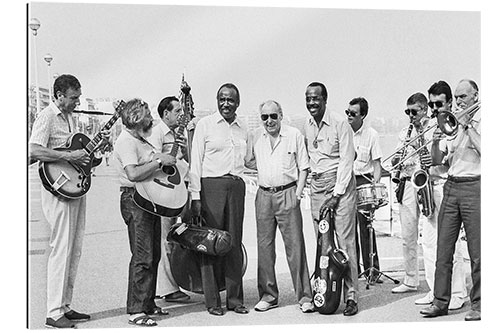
[(52, 128)]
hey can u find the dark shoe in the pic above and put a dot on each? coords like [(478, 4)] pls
[(433, 311), (62, 322), (351, 308), (76, 316), (473, 315), (177, 296), (241, 309), (216, 311)]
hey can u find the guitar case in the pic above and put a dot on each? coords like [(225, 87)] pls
[(330, 268), (200, 238), (187, 251)]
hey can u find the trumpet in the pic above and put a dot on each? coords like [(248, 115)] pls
[(448, 124)]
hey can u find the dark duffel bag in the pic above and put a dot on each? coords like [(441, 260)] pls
[(197, 237)]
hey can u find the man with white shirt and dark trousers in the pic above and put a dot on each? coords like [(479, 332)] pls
[(279, 154), (218, 193), (367, 169)]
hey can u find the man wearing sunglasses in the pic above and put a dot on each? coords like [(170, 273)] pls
[(367, 169), (461, 204), (409, 208), (329, 141), (278, 152)]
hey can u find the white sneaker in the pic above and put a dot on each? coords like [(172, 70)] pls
[(456, 303), (403, 288), (427, 299), (307, 307), (264, 306)]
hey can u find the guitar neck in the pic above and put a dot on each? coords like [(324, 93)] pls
[(175, 147), (92, 145)]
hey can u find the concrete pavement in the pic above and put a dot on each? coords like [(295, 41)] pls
[(101, 283)]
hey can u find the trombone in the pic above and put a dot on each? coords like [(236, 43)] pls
[(448, 124)]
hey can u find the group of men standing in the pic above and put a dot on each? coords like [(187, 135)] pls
[(340, 153)]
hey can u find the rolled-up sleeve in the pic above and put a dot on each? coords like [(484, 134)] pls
[(347, 153), (302, 155)]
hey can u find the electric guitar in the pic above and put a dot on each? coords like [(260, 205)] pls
[(67, 179), (164, 192)]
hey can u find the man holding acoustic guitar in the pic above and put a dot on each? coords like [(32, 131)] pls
[(64, 210)]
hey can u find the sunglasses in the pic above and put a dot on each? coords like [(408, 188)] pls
[(350, 113), (438, 104), (413, 112), (273, 116)]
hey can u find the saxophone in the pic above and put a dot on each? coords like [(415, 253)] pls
[(421, 180)]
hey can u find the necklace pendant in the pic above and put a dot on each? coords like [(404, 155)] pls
[(315, 143)]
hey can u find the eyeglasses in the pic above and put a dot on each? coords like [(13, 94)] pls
[(438, 104), (350, 113), (413, 112), (273, 116)]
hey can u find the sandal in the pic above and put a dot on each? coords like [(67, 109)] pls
[(158, 311), (144, 320)]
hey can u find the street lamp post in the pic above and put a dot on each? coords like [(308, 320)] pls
[(48, 58), (34, 26)]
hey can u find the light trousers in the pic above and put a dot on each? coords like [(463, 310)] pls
[(67, 225), (345, 224), (165, 283), (409, 212), (282, 210)]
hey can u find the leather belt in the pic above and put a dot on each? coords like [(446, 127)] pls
[(277, 188), (228, 176), (464, 179), (126, 189)]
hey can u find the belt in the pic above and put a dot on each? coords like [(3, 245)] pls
[(464, 179), (229, 176), (277, 188), (126, 189)]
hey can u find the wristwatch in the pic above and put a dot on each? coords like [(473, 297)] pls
[(160, 164)]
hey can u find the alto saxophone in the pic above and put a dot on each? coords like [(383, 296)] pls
[(422, 182)]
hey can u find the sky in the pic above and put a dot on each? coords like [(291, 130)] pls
[(125, 50)]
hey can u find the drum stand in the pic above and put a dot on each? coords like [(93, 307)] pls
[(373, 274)]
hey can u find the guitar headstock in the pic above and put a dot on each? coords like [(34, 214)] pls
[(118, 106)]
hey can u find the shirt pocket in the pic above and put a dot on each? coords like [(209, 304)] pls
[(288, 161), (363, 154)]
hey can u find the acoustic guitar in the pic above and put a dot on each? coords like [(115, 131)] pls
[(67, 179), (164, 193)]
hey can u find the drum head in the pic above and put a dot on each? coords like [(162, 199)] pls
[(185, 266)]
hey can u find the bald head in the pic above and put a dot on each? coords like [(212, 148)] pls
[(466, 93)]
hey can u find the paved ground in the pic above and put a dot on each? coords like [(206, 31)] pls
[(102, 278)]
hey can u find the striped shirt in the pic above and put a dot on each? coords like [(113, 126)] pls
[(367, 146), (51, 128), (331, 148), (219, 148), (278, 164)]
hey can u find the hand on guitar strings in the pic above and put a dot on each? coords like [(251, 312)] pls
[(79, 157), (330, 203), (166, 159)]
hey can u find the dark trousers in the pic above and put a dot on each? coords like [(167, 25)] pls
[(144, 232), (461, 204), (364, 234), (223, 207)]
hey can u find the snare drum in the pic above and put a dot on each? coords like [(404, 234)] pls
[(371, 196)]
